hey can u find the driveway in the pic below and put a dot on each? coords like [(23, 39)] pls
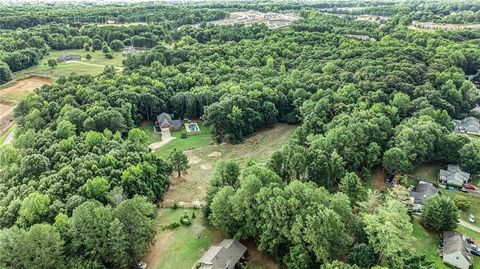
[(9, 138), (468, 225), (166, 137)]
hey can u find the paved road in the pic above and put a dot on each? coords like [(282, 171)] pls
[(468, 225), (9, 138), (166, 137)]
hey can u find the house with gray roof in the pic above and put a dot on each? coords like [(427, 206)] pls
[(475, 111), (165, 120), (467, 125), (68, 57), (455, 252), (224, 256), (453, 176), (422, 192)]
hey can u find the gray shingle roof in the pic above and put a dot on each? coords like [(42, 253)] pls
[(166, 119), (454, 175), (225, 255), (453, 243), (422, 192)]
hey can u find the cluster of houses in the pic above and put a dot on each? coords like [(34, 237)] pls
[(271, 19), (455, 249), (68, 57)]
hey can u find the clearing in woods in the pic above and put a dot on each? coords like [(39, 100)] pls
[(14, 93), (191, 189)]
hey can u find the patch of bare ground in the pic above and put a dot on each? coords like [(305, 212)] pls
[(378, 179), (257, 257), (10, 95)]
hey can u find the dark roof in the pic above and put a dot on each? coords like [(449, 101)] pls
[(422, 192), (166, 118), (226, 255)]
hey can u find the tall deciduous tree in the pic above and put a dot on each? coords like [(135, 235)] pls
[(440, 213)]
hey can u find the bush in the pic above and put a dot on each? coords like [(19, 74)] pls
[(175, 205), (172, 225), (109, 56), (461, 202), (193, 215), (185, 219)]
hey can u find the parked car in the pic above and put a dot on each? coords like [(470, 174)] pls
[(142, 265), (389, 179), (463, 190), (474, 250), (450, 188), (469, 186), (471, 218)]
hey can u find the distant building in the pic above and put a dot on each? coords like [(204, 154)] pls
[(455, 251), (421, 193), (454, 176), (165, 120), (129, 50), (224, 256), (467, 125), (68, 57)]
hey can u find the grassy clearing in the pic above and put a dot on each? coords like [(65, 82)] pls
[(474, 200), (204, 159), (153, 137), (429, 172), (93, 66), (180, 248), (426, 243)]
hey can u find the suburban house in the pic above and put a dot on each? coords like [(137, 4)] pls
[(419, 195), (68, 57), (224, 256), (475, 111), (467, 125), (165, 120), (454, 176), (455, 251)]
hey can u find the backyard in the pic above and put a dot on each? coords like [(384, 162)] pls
[(181, 247)]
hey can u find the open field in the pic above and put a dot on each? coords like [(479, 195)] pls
[(428, 172), (180, 248), (93, 66), (13, 93), (191, 189)]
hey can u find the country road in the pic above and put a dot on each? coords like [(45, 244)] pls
[(469, 226)]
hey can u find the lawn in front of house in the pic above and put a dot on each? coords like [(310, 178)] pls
[(192, 141), (426, 243), (473, 199)]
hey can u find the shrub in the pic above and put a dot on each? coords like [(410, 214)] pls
[(185, 219), (461, 202), (172, 225), (193, 215), (175, 205)]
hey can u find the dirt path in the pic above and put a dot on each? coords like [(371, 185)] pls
[(90, 64), (166, 137), (10, 96)]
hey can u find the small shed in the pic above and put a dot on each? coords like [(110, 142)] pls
[(455, 251)]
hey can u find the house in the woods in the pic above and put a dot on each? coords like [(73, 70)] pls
[(475, 111), (68, 57), (467, 125), (453, 176), (129, 50), (224, 256), (455, 250), (420, 194), (166, 120)]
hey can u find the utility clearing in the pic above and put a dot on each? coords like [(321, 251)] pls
[(11, 95)]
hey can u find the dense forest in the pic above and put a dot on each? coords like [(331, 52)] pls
[(79, 185)]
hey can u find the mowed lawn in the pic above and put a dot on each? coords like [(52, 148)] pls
[(93, 66)]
